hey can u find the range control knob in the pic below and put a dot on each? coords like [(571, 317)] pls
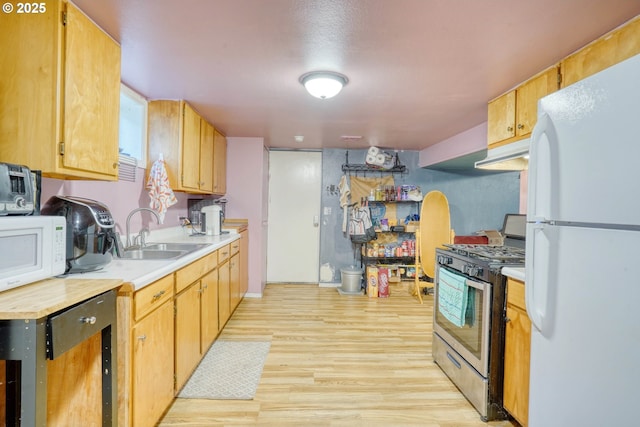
[(472, 270), (444, 260), (20, 202)]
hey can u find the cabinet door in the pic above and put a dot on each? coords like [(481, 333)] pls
[(223, 294), (527, 97), (219, 164), (152, 372), (244, 262), (92, 97), (190, 148), (187, 333), (60, 94), (612, 48), (516, 364), (234, 282), (206, 156), (209, 310), (501, 116)]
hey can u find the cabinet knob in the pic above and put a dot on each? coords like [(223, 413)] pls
[(142, 337), (115, 165), (507, 320), (520, 126), (158, 295), (510, 129), (88, 320)]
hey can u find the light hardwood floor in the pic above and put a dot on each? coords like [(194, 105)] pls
[(337, 361)]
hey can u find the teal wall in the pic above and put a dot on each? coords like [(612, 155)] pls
[(477, 201)]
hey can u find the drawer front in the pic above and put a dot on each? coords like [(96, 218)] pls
[(70, 327), (515, 293), (152, 296), (235, 247), (224, 253), (192, 272), (463, 375)]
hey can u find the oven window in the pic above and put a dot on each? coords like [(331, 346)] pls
[(459, 309)]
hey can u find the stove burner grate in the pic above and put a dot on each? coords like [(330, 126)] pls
[(491, 252)]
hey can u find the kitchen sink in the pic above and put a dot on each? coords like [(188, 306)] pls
[(189, 247), (144, 254), (160, 251)]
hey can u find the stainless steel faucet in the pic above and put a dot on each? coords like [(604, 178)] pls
[(129, 220)]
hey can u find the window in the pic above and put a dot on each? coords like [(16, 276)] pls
[(133, 125)]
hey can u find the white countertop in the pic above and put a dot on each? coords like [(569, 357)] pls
[(514, 272), (143, 272)]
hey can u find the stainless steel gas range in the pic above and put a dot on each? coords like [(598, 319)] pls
[(469, 316)]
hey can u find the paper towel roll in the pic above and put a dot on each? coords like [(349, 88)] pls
[(373, 151)]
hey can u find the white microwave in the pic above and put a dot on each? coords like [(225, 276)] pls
[(32, 248)]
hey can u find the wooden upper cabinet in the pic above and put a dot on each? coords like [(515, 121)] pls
[(219, 164), (206, 156), (60, 102), (186, 143), (616, 46), (513, 115), (190, 148), (502, 118)]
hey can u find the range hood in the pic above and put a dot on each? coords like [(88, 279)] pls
[(514, 156)]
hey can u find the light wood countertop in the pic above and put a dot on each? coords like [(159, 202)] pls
[(40, 299)]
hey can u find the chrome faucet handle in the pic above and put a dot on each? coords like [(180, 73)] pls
[(141, 235)]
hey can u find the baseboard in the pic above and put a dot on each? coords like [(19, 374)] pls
[(252, 295), (329, 284)]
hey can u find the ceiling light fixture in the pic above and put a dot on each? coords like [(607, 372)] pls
[(323, 84)]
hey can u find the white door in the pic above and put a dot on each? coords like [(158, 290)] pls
[(293, 247)]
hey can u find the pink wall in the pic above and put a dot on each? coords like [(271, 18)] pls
[(467, 142), (247, 176), (121, 197)]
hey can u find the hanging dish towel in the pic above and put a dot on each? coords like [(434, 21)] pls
[(452, 296), (160, 191), (345, 191)]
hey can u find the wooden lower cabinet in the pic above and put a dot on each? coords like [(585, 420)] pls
[(187, 333), (517, 354), (167, 327), (244, 263), (235, 295), (224, 294), (209, 310), (152, 374)]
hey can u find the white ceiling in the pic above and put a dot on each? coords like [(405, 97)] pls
[(420, 70)]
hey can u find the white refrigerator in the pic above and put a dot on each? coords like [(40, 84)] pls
[(583, 253)]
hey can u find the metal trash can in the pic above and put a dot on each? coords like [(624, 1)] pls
[(351, 279)]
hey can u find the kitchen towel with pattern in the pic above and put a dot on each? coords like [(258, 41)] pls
[(452, 296), (160, 193)]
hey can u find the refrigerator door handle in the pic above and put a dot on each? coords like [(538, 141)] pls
[(536, 309), (543, 170)]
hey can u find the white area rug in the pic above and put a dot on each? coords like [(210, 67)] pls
[(229, 370)]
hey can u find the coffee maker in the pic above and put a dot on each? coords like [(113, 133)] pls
[(211, 220)]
